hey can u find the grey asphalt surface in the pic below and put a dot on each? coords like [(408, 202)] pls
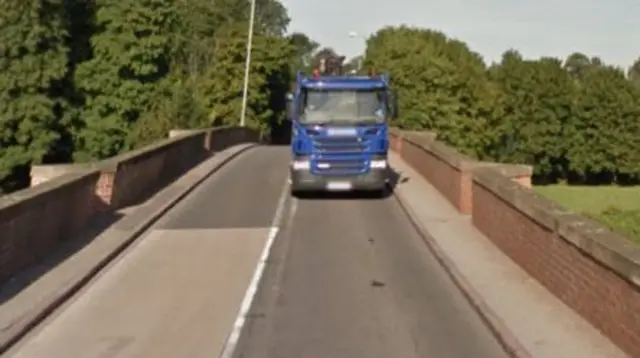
[(352, 278), (346, 278), (177, 290), (243, 194)]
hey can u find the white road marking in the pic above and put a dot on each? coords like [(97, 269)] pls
[(230, 346), (292, 211)]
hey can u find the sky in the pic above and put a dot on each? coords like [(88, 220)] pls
[(609, 29)]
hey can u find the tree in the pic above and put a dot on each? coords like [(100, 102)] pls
[(441, 85), (634, 73), (328, 61), (33, 67), (79, 18), (304, 49), (221, 89), (205, 84), (272, 18), (131, 57), (577, 64), (85, 80), (537, 101), (353, 64), (196, 25), (606, 135), (577, 119), (199, 21)]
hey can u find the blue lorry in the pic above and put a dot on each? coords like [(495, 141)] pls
[(340, 133)]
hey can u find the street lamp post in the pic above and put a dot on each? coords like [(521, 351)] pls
[(247, 64), (354, 34)]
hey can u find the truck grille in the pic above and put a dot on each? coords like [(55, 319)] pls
[(340, 145), (339, 167)]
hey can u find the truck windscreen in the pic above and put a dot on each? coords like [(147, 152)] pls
[(342, 106)]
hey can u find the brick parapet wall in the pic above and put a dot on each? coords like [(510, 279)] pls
[(64, 199), (594, 271)]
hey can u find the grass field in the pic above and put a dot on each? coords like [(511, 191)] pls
[(616, 207)]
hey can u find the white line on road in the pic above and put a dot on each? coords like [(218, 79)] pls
[(292, 211), (232, 341)]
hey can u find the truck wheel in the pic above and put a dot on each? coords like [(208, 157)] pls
[(380, 193)]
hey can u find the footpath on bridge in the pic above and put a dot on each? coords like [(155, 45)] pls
[(551, 283), (176, 291), (529, 320)]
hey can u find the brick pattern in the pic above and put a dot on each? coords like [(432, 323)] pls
[(135, 179), (104, 189), (31, 228), (609, 302), (442, 175), (34, 221)]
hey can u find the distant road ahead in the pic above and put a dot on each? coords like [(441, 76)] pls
[(347, 278)]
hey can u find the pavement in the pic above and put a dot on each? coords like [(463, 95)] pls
[(176, 291), (240, 269), (526, 317), (34, 294)]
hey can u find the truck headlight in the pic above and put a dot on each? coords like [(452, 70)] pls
[(301, 165), (378, 164)]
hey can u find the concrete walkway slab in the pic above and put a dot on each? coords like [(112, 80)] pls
[(171, 291), (22, 310), (542, 324), (175, 295)]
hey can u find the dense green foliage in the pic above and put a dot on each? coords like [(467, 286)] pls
[(88, 79), (575, 119), (33, 70)]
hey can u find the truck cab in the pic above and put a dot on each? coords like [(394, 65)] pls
[(340, 133)]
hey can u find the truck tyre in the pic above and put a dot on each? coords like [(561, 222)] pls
[(380, 193), (294, 191)]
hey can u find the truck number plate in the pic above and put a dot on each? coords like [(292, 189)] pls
[(341, 132), (339, 185)]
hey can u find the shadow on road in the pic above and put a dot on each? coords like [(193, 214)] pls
[(395, 178)]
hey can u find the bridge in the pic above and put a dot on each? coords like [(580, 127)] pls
[(192, 247)]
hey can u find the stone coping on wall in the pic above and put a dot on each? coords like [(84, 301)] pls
[(450, 171), (607, 247), (12, 204), (457, 160), (66, 197), (152, 149), (42, 173), (592, 269)]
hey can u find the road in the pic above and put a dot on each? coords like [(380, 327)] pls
[(345, 278)]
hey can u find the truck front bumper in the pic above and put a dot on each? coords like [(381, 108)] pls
[(303, 180)]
